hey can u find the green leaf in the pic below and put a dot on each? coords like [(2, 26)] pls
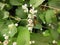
[(16, 2), (5, 29), (58, 30), (1, 37), (12, 40), (8, 7), (42, 17), (23, 23), (54, 34), (54, 3), (13, 30), (2, 5), (4, 14), (50, 16), (20, 13), (38, 26), (23, 36), (36, 3), (40, 39)]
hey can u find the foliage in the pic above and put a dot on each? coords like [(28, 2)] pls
[(22, 21)]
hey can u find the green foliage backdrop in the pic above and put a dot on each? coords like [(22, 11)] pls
[(24, 21)]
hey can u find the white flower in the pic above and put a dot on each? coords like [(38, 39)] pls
[(30, 25), (43, 33), (41, 29), (29, 16), (30, 21), (54, 41), (34, 15), (30, 28), (14, 43), (58, 17), (9, 32), (10, 25), (5, 42), (49, 24), (0, 42), (23, 0), (35, 11), (6, 37), (16, 24), (33, 42), (30, 42), (26, 10), (32, 11), (30, 5), (24, 6), (44, 22)]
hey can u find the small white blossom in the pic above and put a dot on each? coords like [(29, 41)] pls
[(16, 24), (43, 33), (24, 6), (30, 42), (23, 0), (32, 11), (58, 17), (10, 25), (30, 25), (49, 24), (41, 29), (54, 41), (33, 42), (26, 10), (6, 37), (5, 42), (35, 11), (9, 32), (34, 15), (44, 22), (30, 5), (14, 43), (30, 28), (0, 42), (30, 21), (29, 16)]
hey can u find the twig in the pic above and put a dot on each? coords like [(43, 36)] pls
[(51, 7), (17, 18)]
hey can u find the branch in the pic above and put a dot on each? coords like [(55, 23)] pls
[(51, 7), (17, 18)]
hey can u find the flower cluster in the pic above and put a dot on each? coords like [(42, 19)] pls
[(14, 43), (24, 7), (54, 41), (31, 14), (6, 41), (32, 42)]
